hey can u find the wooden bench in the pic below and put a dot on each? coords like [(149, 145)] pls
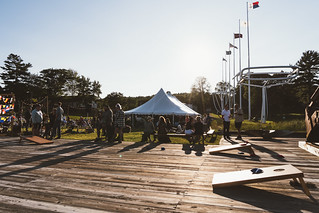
[(35, 139), (233, 146), (269, 174), (211, 133)]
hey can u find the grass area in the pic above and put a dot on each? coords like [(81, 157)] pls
[(292, 124), (134, 136), (295, 123)]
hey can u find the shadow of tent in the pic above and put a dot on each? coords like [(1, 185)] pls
[(266, 200)]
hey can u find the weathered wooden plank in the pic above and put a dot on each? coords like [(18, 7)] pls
[(131, 177)]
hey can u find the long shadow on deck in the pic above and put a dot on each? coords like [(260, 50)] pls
[(238, 156), (269, 201), (270, 140), (273, 154), (149, 147), (74, 146), (132, 146)]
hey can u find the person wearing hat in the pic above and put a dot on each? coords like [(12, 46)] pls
[(148, 129), (37, 118), (119, 122)]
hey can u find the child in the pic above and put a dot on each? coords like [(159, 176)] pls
[(148, 129), (98, 126)]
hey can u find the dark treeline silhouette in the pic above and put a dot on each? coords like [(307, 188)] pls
[(68, 86)]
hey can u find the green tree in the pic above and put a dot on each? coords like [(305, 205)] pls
[(70, 86), (96, 88), (307, 81), (15, 75), (200, 91), (114, 98), (53, 82), (84, 86)]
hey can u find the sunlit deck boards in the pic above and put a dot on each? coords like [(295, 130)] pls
[(79, 176)]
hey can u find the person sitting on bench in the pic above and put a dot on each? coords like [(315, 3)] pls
[(189, 126), (198, 129), (162, 131)]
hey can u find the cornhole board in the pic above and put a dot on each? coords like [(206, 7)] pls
[(269, 174), (233, 146), (35, 139)]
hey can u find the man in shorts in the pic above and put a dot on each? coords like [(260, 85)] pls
[(239, 118)]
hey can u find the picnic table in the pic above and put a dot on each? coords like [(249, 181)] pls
[(208, 136)]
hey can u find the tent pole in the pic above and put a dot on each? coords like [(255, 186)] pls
[(173, 120), (132, 120)]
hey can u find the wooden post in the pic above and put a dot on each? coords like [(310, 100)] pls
[(47, 105)]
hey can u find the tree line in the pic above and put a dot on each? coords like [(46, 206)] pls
[(288, 98), (51, 83), (60, 83)]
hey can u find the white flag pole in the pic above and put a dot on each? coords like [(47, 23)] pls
[(234, 73), (249, 103), (222, 69), (239, 46), (229, 81)]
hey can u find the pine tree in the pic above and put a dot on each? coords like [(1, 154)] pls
[(15, 76), (307, 81)]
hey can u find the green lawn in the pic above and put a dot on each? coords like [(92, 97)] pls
[(134, 136), (293, 124)]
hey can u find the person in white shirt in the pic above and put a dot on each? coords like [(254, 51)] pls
[(37, 118), (226, 121)]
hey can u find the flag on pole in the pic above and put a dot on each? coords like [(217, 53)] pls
[(224, 59), (232, 46), (238, 35), (228, 52), (255, 4)]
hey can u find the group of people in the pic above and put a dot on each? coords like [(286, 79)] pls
[(239, 118), (193, 128), (51, 122), (111, 124)]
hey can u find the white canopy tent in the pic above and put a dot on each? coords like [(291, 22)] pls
[(162, 104)]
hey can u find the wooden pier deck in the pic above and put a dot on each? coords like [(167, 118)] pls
[(84, 176)]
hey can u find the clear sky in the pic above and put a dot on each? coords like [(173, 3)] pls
[(137, 47)]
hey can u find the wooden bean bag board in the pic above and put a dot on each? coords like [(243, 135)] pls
[(35, 139), (268, 174), (230, 147)]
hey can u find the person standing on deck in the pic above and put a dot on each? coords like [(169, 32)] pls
[(57, 123), (37, 118), (119, 122), (226, 121), (107, 122), (239, 118)]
